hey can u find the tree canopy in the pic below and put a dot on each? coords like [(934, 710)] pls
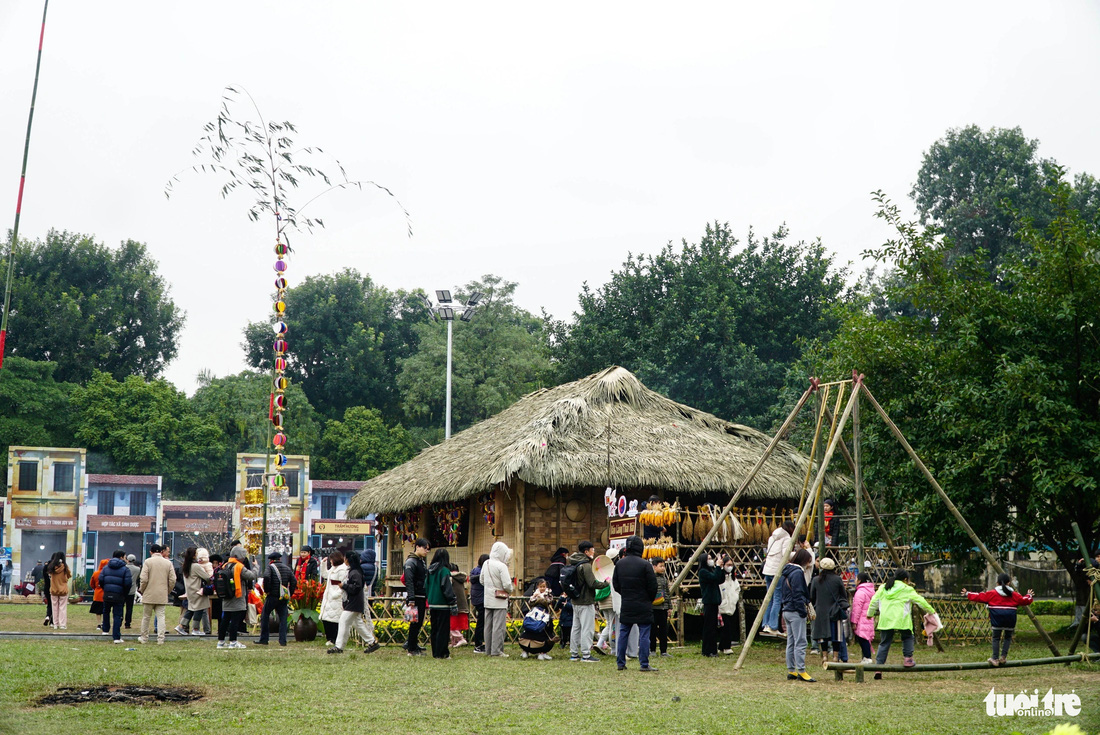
[(87, 307), (347, 336), (361, 446), (34, 407), (712, 324), (996, 383), (149, 428)]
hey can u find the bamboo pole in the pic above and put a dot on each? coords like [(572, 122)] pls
[(816, 489), (886, 537), (22, 181), (857, 470), (992, 560), (1083, 625), (965, 665), (675, 586)]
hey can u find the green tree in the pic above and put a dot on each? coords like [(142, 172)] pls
[(238, 406), (347, 336), (497, 357), (87, 307), (711, 324), (149, 428), (361, 446), (34, 407), (996, 383), (980, 188)]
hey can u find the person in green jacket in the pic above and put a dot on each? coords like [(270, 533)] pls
[(441, 602), (893, 602)]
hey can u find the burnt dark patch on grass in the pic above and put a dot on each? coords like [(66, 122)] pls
[(121, 694)]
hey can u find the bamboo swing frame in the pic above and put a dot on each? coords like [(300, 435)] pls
[(814, 498)]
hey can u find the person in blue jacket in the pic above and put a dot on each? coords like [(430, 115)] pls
[(115, 580)]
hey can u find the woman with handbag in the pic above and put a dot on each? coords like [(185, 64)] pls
[(332, 605), (795, 608), (197, 573), (498, 587), (830, 599)]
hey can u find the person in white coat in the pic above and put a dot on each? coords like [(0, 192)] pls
[(773, 565), (727, 608), (335, 572), (498, 587)]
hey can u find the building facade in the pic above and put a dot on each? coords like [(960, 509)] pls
[(329, 526), (46, 487), (120, 512)]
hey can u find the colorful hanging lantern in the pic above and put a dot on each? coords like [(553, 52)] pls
[(278, 481), (280, 266), (279, 440), (280, 383), (281, 249), (280, 460), (280, 346), (280, 283), (280, 402), (277, 421), (280, 307), (280, 364), (279, 327)]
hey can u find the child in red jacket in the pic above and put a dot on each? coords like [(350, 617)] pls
[(1002, 601)]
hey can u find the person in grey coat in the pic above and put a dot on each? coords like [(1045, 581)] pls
[(135, 573), (235, 607), (830, 601)]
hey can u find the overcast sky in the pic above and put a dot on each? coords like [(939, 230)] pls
[(539, 142)]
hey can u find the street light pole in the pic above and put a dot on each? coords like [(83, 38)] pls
[(447, 431)]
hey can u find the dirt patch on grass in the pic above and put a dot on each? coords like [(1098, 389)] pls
[(121, 694)]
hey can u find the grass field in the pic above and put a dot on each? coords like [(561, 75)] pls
[(299, 689)]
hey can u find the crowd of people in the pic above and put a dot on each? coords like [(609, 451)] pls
[(811, 607)]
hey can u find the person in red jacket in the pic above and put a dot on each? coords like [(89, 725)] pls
[(1002, 601)]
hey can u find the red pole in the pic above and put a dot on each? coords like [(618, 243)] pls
[(22, 181)]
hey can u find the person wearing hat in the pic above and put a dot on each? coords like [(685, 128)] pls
[(608, 602), (276, 576), (306, 566), (830, 601)]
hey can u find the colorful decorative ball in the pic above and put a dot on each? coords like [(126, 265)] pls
[(279, 440), (277, 421), (280, 283), (280, 402), (280, 249), (280, 364), (280, 460), (280, 383), (280, 266), (280, 346), (279, 327), (280, 307), (278, 481)]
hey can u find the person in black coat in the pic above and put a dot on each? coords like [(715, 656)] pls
[(477, 600), (830, 600), (711, 577), (416, 578), (636, 584), (115, 580), (355, 605), (369, 564), (276, 575), (553, 572)]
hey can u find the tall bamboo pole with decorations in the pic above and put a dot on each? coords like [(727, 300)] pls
[(263, 157), (22, 181)]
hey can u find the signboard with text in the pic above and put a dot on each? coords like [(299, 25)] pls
[(622, 528), (351, 528), (137, 524), (44, 523)]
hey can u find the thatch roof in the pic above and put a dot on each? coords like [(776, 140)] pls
[(557, 438)]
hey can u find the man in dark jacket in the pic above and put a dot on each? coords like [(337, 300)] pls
[(416, 578), (369, 565), (636, 584), (276, 575), (584, 606), (355, 606), (115, 580)]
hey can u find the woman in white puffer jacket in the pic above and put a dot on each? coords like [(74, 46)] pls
[(332, 601)]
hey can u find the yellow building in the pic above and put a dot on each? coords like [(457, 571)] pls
[(250, 471), (46, 487)]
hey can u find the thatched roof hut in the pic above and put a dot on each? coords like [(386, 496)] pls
[(569, 443)]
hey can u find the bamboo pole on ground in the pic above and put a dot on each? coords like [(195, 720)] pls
[(964, 665), (816, 488), (992, 560), (675, 586)]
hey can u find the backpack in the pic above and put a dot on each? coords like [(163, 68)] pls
[(224, 586), (572, 583), (180, 588), (535, 621)]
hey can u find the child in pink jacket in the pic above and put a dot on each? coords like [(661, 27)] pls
[(863, 628)]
